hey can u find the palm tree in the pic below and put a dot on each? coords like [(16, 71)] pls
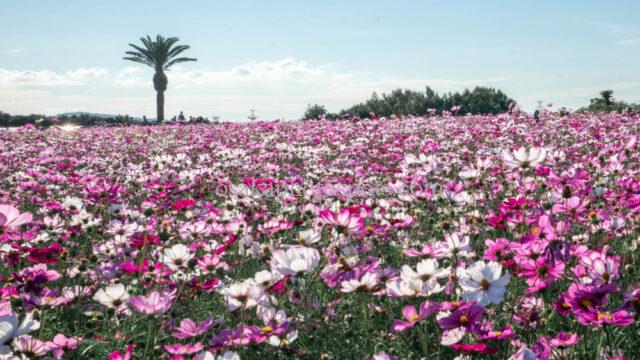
[(160, 55), (607, 95)]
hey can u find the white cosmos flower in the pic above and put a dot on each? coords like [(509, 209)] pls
[(294, 261), (228, 355), (524, 354), (265, 278), (469, 174), (72, 204), (308, 237), (426, 270), (367, 282), (284, 341), (455, 245), (207, 355), (243, 295), (482, 282), (452, 336), (11, 327), (113, 296), (177, 256), (403, 288), (523, 158)]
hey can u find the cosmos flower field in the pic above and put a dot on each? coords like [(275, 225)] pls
[(437, 237)]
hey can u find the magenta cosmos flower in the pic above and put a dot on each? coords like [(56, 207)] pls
[(346, 221)]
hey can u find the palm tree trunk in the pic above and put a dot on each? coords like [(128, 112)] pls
[(160, 105)]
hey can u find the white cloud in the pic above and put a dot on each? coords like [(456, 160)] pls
[(132, 76), (275, 88), (47, 78), (15, 51), (287, 69)]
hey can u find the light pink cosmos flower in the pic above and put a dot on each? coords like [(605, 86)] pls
[(153, 304), (524, 158), (61, 344), (30, 345), (412, 316), (184, 349), (11, 218), (243, 295), (189, 328)]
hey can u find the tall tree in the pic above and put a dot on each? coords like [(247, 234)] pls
[(159, 54), (607, 96)]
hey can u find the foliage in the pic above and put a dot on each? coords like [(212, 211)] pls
[(42, 121), (314, 112), (480, 100), (607, 103)]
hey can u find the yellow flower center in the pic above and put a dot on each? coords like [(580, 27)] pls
[(485, 284), (414, 318), (464, 320), (266, 329), (535, 231), (586, 303)]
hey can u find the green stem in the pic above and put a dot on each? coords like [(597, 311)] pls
[(151, 334)]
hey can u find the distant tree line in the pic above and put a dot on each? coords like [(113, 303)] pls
[(7, 120), (607, 103), (82, 119), (480, 100)]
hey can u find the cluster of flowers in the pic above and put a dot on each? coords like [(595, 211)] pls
[(494, 234)]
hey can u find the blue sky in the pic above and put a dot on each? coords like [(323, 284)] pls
[(278, 56)]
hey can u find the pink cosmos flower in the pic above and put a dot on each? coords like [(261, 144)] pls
[(184, 349), (189, 328), (11, 218), (540, 273), (564, 340), (30, 345), (117, 355), (61, 344), (435, 251), (153, 304), (574, 207), (412, 316), (346, 221), (381, 356), (477, 348)]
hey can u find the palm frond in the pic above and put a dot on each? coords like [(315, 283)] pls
[(138, 60), (178, 60), (159, 53)]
